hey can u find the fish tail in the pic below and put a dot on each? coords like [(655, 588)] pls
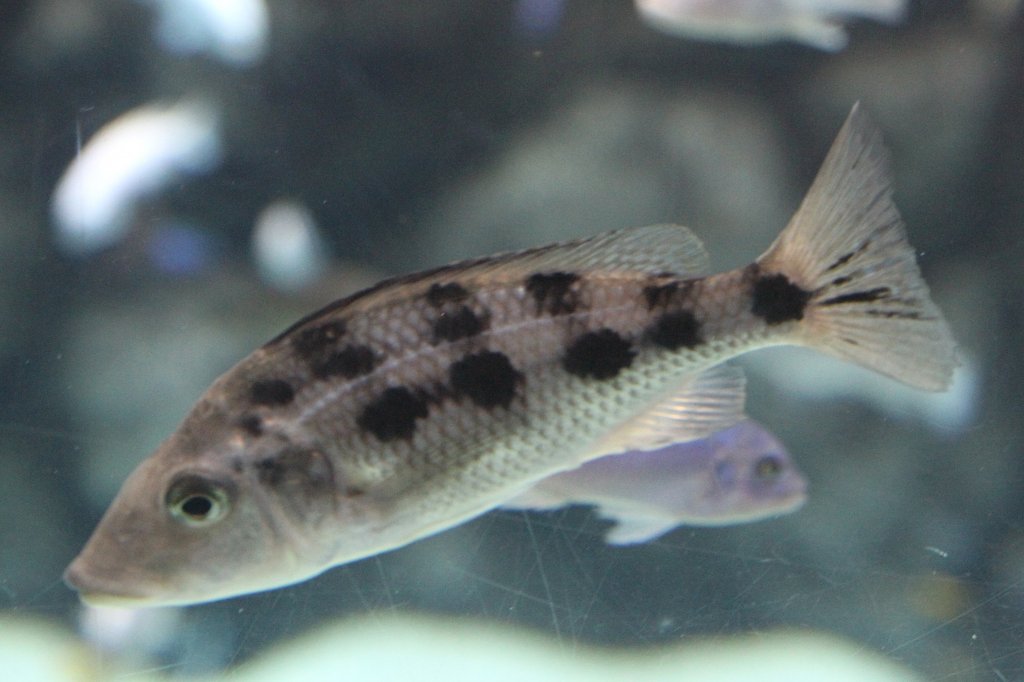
[(889, 11), (844, 268)]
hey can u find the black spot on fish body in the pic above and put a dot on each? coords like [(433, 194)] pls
[(302, 480), (868, 296), (666, 293), (439, 294), (600, 354), (270, 471), (459, 324), (393, 415), (316, 342), (553, 292), (339, 307), (434, 393), (252, 424), (675, 330), (658, 295), (350, 362), (301, 464), (335, 308), (272, 392), (488, 378), (777, 300)]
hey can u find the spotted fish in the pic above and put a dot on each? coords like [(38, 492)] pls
[(739, 474), (428, 399)]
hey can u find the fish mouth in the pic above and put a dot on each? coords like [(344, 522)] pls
[(96, 591)]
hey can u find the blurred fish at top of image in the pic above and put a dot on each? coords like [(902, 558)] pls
[(287, 248), (737, 475), (134, 156), (233, 31), (817, 23), (429, 399)]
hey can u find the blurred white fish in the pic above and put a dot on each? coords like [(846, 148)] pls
[(134, 155), (813, 22), (234, 31), (287, 247), (809, 377), (740, 474), (128, 633)]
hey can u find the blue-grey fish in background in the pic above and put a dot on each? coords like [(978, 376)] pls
[(817, 23), (429, 399), (739, 474)]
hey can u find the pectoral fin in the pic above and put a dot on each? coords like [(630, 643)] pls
[(703, 404)]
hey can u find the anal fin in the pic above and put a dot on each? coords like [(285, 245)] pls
[(633, 530)]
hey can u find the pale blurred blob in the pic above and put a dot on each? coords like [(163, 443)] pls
[(813, 22), (132, 633), (388, 647), (287, 247), (234, 31), (135, 155), (812, 377)]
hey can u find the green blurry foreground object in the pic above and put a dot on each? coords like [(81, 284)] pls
[(420, 648)]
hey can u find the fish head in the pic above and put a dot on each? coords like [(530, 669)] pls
[(199, 521), (754, 475)]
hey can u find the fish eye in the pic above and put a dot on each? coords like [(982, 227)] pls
[(768, 467), (197, 501)]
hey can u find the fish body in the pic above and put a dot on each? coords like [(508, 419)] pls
[(814, 22), (431, 398), (742, 473)]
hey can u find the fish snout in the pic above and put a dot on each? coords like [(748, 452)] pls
[(96, 588)]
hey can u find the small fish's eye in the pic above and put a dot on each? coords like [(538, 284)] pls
[(197, 501), (768, 466)]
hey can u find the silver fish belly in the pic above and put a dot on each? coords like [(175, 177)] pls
[(431, 398)]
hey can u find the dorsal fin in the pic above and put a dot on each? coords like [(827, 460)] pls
[(653, 249)]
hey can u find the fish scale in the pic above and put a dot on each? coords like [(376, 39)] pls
[(431, 398)]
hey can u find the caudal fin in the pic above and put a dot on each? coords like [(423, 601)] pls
[(847, 247)]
